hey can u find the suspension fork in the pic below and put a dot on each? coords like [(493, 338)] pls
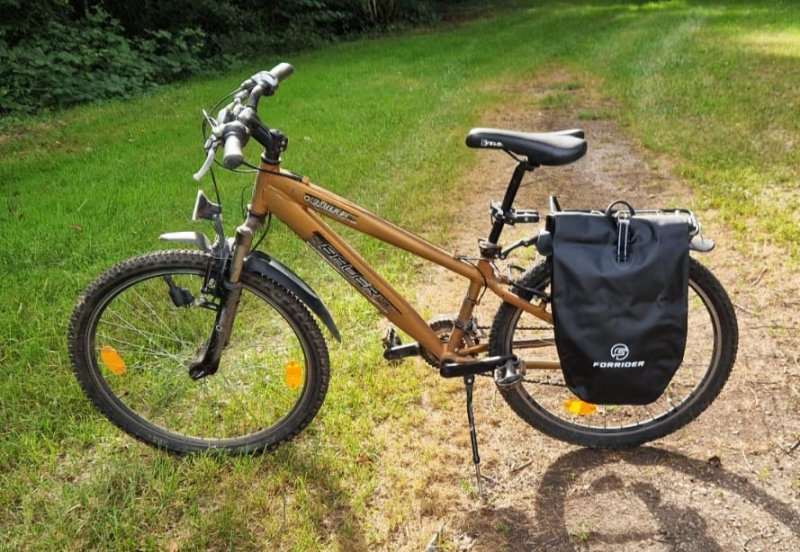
[(207, 361)]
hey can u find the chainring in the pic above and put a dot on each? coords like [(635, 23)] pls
[(443, 325)]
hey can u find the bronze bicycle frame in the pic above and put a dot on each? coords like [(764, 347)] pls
[(298, 203)]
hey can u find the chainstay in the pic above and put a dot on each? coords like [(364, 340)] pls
[(523, 328), (526, 380)]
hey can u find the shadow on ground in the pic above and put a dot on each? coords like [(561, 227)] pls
[(645, 492)]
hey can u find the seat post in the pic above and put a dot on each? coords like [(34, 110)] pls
[(508, 200)]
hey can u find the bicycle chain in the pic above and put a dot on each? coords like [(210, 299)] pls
[(523, 328), (526, 380)]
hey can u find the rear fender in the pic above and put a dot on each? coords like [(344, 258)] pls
[(260, 263)]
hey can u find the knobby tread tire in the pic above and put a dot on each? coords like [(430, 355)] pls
[(90, 381), (518, 399)]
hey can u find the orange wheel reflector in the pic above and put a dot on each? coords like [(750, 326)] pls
[(294, 374), (110, 357), (579, 408)]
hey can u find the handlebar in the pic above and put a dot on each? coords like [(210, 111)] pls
[(264, 83), (282, 71), (236, 122), (232, 156)]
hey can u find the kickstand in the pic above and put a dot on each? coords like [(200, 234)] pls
[(473, 436)]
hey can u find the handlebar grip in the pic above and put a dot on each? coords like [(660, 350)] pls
[(232, 156), (282, 71)]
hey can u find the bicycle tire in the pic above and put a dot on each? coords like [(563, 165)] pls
[(257, 399), (541, 402)]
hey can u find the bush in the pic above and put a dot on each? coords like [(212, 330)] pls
[(71, 64), (82, 53)]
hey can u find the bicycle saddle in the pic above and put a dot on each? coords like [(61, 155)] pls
[(541, 148)]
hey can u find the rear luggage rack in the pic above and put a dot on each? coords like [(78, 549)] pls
[(696, 240)]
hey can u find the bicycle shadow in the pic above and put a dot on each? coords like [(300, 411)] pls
[(646, 499)]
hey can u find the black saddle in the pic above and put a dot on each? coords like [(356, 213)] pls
[(541, 148)]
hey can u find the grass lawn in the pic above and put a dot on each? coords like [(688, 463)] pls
[(711, 86)]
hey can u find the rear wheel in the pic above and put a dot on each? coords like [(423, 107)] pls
[(544, 401), (139, 326)]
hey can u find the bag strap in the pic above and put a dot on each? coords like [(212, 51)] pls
[(623, 239), (623, 229)]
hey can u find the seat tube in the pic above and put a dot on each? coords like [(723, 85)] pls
[(464, 315)]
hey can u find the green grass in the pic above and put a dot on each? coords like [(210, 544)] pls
[(710, 85)]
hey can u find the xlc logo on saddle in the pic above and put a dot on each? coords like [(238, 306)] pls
[(491, 144)]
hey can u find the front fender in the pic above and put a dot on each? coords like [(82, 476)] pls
[(261, 263), (200, 241)]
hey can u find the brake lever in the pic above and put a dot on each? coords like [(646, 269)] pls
[(210, 121), (212, 149)]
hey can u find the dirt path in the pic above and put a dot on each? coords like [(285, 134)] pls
[(728, 481)]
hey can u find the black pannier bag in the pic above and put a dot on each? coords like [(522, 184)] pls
[(619, 298)]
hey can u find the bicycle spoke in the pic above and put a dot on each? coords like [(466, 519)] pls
[(238, 398), (143, 333), (152, 311), (161, 354)]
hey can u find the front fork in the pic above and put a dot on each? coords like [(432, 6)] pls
[(208, 357)]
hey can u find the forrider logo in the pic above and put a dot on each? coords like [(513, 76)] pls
[(620, 351)]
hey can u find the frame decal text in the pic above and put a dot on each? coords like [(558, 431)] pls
[(337, 261), (327, 208)]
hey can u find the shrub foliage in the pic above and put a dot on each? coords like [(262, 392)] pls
[(55, 53)]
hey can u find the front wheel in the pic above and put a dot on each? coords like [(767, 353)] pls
[(136, 330), (544, 401)]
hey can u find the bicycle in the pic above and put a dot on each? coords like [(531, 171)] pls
[(216, 348)]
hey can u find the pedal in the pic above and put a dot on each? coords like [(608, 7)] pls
[(510, 374), (393, 348), (401, 351), (390, 339)]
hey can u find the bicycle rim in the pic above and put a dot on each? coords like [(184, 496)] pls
[(140, 345), (548, 402)]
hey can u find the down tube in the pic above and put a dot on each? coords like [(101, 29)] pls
[(347, 262)]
